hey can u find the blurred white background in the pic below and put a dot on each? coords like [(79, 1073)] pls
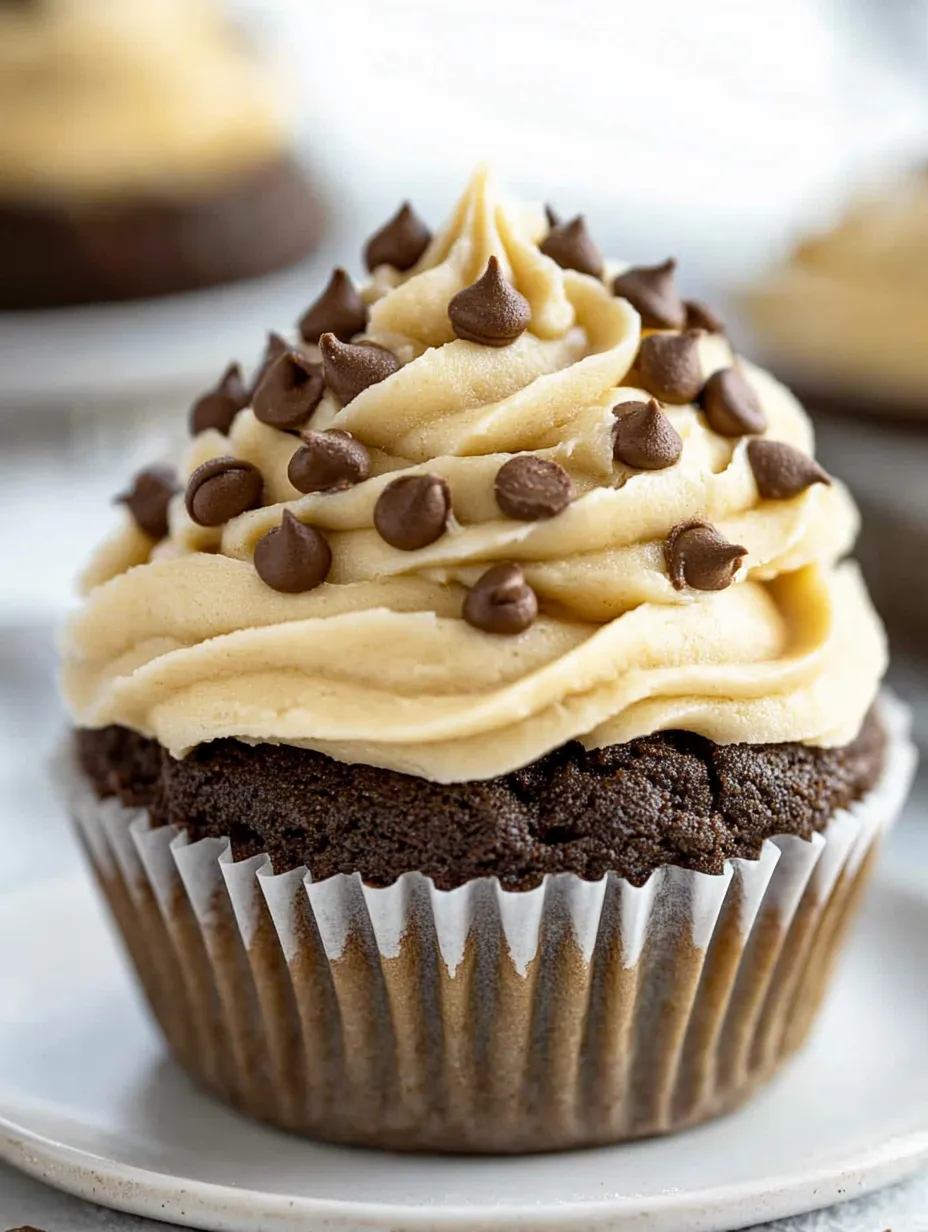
[(712, 130)]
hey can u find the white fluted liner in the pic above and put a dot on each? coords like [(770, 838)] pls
[(478, 1018)]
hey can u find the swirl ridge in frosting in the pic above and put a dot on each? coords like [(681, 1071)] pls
[(181, 640)]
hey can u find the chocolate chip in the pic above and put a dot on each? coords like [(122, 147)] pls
[(148, 499), (400, 242), (289, 392), (782, 471), (339, 310), (531, 489), (554, 219), (490, 311), (412, 511), (273, 349), (701, 316), (644, 437), (731, 405), (293, 557), (349, 368), (221, 489), (668, 365), (570, 245), (328, 461), (217, 408), (698, 556), (652, 291), (501, 601)]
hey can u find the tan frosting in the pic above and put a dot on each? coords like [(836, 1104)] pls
[(378, 666), (103, 97), (851, 305)]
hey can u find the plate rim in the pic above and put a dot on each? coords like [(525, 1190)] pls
[(82, 1174)]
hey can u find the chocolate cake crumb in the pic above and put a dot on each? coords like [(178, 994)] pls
[(120, 763), (57, 253), (672, 798)]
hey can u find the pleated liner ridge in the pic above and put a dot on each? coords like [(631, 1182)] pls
[(479, 1019)]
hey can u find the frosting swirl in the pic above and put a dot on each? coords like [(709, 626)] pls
[(184, 642), (116, 98)]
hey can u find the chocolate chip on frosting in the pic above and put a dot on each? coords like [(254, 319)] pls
[(570, 245), (531, 489), (400, 242), (669, 368), (148, 499), (701, 316), (328, 462), (731, 405), (652, 291), (412, 511), (289, 392), (293, 557), (349, 368), (273, 349), (222, 488), (339, 310), (697, 555), (501, 601), (218, 407), (644, 437), (782, 471), (490, 311), (554, 219)]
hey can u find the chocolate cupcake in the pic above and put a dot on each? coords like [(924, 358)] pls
[(141, 153), (480, 746)]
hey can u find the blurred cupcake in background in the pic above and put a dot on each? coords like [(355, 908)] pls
[(846, 316), (142, 152), (845, 320)]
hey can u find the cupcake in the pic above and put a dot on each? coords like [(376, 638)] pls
[(846, 318), (480, 745), (142, 153)]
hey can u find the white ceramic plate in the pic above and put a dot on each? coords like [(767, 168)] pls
[(120, 352), (89, 1104)]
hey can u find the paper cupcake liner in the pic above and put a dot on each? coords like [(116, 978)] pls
[(480, 1019)]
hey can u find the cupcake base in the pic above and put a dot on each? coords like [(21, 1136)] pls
[(55, 255), (480, 1019), (672, 798)]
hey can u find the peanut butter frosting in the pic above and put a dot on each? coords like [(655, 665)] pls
[(849, 308), (505, 568), (114, 97)]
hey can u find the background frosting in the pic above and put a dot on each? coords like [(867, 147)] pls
[(849, 310), (116, 97), (377, 665)]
